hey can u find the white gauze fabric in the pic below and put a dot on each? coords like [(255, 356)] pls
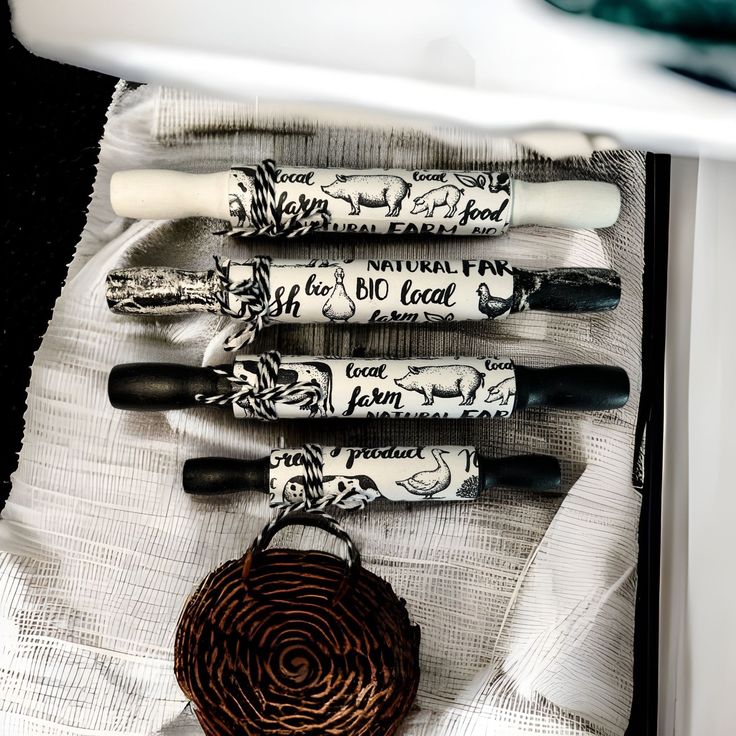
[(526, 604)]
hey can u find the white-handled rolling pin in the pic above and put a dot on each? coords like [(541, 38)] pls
[(294, 200)]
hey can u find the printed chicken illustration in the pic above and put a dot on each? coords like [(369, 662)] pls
[(492, 306), (339, 306), (428, 483)]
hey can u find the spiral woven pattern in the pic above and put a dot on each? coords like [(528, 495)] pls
[(285, 642)]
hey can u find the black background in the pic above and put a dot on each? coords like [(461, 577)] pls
[(54, 116)]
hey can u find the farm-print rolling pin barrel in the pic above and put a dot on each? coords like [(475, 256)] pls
[(285, 642), (293, 200), (350, 477), (270, 387), (261, 291)]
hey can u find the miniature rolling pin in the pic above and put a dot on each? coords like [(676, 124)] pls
[(271, 387), (350, 477), (373, 291), (293, 200)]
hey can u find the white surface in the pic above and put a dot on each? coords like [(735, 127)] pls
[(158, 194), (503, 65), (674, 547), (400, 474), (576, 204), (380, 290), (698, 596), (367, 387), (708, 663)]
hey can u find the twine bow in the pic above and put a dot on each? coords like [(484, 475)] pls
[(253, 297), (316, 497), (260, 400)]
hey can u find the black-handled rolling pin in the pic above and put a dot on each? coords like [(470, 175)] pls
[(294, 200), (365, 291), (354, 476), (272, 387)]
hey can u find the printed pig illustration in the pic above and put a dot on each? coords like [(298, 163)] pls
[(502, 392), (370, 190), (443, 381), (447, 195)]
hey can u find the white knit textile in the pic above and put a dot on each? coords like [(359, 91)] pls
[(526, 604)]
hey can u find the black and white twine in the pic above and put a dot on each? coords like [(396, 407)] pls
[(252, 296), (264, 217), (260, 400), (315, 495)]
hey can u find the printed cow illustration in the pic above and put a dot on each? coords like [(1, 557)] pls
[(448, 195), (314, 371), (353, 491), (499, 183), (369, 190), (502, 392), (443, 381)]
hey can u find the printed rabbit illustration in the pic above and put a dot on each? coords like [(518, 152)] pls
[(428, 483), (339, 306), (443, 381), (369, 190), (448, 195), (502, 392), (492, 306)]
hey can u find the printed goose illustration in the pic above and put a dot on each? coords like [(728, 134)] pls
[(339, 306), (492, 306), (428, 483)]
